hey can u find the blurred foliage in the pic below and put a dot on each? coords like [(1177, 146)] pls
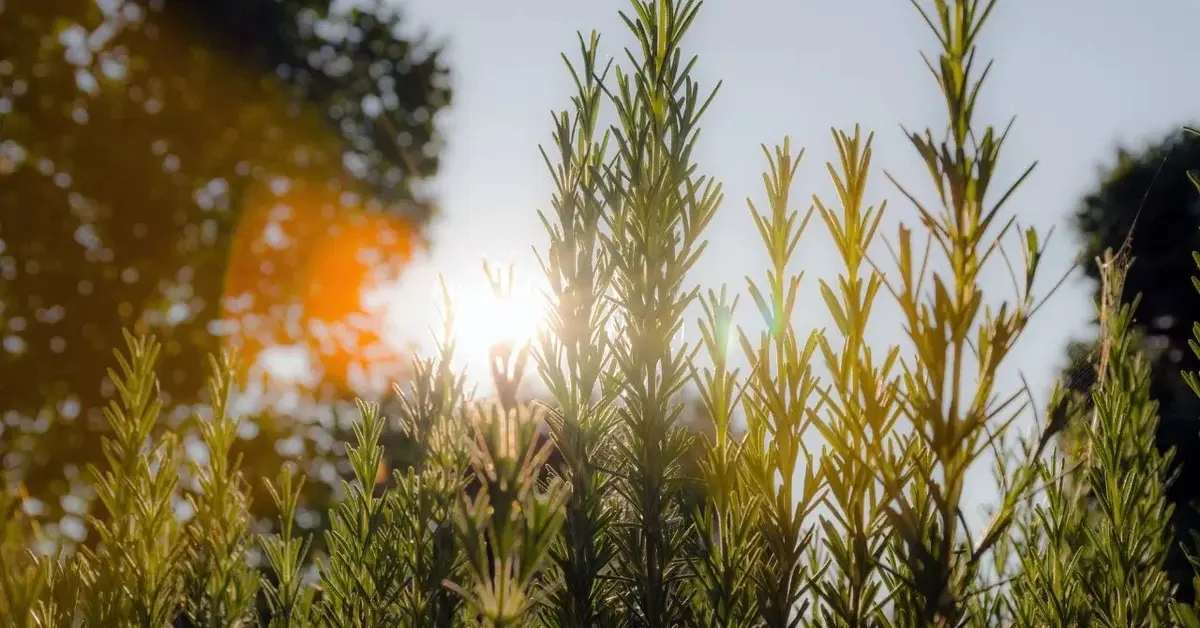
[(208, 171), (1146, 197)]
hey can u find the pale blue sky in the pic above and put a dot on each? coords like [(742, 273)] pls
[(1079, 79)]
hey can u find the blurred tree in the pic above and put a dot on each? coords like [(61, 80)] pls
[(1152, 187), (223, 174)]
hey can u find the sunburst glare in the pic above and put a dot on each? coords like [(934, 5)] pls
[(489, 310)]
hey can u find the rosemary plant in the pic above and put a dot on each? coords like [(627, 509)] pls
[(657, 210), (862, 404), (289, 601), (362, 580), (1099, 540), (954, 334), (779, 407), (135, 575), (573, 357), (221, 585), (576, 510), (727, 522), (428, 490), (24, 578)]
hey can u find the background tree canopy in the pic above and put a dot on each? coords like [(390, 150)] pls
[(222, 174), (1154, 182)]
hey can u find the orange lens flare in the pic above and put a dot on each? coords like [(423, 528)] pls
[(300, 265)]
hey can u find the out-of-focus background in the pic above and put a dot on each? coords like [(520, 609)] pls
[(289, 178), (227, 174)]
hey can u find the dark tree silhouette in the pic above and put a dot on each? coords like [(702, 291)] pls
[(1153, 186), (212, 172)]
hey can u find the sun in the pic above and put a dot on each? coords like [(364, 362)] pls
[(482, 318)]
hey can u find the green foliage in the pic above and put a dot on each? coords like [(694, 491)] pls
[(1126, 477), (572, 357), (289, 601), (1105, 532), (135, 575), (657, 209), (506, 529), (221, 585), (430, 488), (863, 405), (1144, 201), (581, 512), (726, 522), (24, 578), (362, 581), (778, 410)]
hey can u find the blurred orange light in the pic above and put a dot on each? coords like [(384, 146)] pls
[(298, 268)]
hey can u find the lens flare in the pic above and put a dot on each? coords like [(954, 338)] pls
[(301, 270)]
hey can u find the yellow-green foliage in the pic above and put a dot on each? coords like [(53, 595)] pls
[(840, 500)]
